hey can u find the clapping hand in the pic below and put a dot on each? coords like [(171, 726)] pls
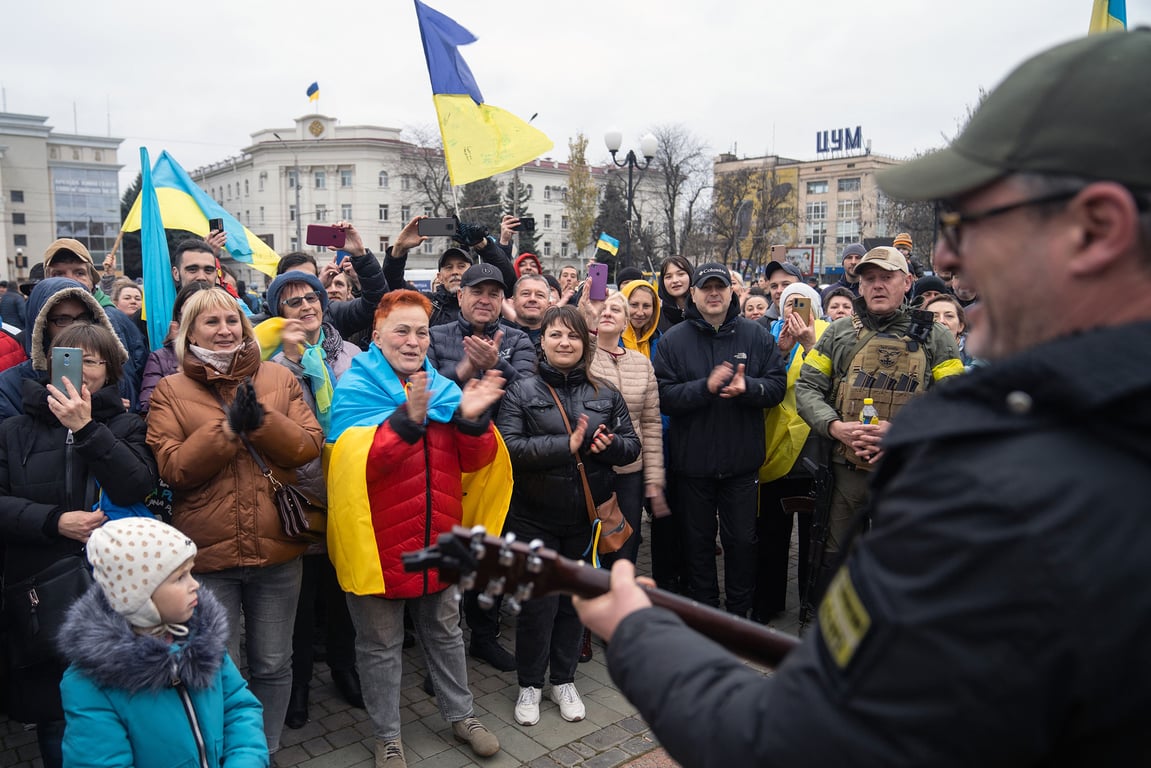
[(418, 397), (481, 394), (245, 414)]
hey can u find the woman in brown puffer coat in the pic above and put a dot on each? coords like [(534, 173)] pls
[(220, 498)]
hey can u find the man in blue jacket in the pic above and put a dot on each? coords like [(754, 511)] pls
[(717, 371)]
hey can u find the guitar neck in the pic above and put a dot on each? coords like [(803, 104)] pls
[(744, 638)]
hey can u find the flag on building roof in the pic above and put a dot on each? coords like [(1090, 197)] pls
[(608, 243), (1107, 16), (314, 92), (183, 205), (479, 140), (159, 289)]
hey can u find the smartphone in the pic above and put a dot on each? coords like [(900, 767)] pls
[(527, 224), (779, 253), (322, 234), (437, 227), (341, 255), (215, 225), (802, 306), (597, 281), (67, 363)]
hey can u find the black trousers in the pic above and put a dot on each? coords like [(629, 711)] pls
[(774, 528), (629, 492), (548, 629), (731, 504), (321, 596)]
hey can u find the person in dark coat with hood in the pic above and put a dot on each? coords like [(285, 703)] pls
[(64, 454), (674, 290)]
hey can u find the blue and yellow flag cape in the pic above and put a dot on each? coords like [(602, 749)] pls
[(365, 397), (479, 140)]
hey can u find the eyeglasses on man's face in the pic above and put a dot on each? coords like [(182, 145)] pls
[(312, 298), (63, 321)]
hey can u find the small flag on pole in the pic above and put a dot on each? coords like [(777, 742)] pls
[(314, 92), (608, 243), (1108, 15)]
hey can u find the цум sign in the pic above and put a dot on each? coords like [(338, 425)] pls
[(839, 140)]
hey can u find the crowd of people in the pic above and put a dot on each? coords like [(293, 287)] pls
[(705, 404)]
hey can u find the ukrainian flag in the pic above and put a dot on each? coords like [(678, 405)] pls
[(183, 205), (314, 92), (159, 290), (1107, 16), (479, 140), (608, 243)]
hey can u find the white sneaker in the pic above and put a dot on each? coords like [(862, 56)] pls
[(570, 704), (528, 706)]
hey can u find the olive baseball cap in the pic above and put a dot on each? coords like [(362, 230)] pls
[(1079, 109), (884, 257)]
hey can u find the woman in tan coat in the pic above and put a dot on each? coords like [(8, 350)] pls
[(221, 500)]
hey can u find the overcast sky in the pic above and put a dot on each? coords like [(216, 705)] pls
[(754, 77)]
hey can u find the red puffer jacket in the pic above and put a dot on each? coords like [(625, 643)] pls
[(414, 488)]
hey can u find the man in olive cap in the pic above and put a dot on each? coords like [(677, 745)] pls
[(995, 613)]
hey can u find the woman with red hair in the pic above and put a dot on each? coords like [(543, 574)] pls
[(403, 438)]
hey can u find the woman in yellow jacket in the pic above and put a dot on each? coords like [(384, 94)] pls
[(783, 476)]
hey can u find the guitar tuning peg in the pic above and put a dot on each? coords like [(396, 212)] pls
[(507, 557), (513, 606), (467, 581), (523, 592), (479, 530), (510, 537), (535, 563), (485, 601), (495, 586)]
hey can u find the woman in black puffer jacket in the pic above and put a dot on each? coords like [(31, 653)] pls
[(548, 499), (66, 451)]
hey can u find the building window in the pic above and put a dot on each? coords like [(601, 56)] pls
[(564, 194), (846, 232), (17, 218), (405, 213), (428, 211), (816, 211), (564, 249), (405, 182), (20, 240), (847, 210), (98, 156), (229, 191), (427, 248), (262, 179), (247, 218), (245, 188), (384, 243), (346, 211), (849, 185), (321, 179), (383, 182), (293, 179), (528, 187), (383, 213), (814, 232), (547, 248), (817, 187), (321, 213), (17, 195), (261, 214), (75, 154), (563, 222), (547, 216), (547, 193), (346, 179), (291, 213)]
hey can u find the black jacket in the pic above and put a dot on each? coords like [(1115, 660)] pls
[(712, 436), (995, 615), (42, 476), (356, 315), (517, 355), (547, 486)]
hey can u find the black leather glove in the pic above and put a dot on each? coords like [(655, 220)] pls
[(469, 235), (245, 414)]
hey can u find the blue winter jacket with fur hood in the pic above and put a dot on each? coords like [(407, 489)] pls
[(120, 706)]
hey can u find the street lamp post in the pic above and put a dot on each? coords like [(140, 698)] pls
[(647, 146)]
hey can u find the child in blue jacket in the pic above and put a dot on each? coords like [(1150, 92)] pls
[(150, 681)]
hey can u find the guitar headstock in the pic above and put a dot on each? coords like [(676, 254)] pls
[(497, 566)]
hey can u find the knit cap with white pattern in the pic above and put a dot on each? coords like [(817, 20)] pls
[(133, 556)]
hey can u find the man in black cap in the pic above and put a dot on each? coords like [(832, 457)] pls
[(717, 371), (777, 275), (994, 615)]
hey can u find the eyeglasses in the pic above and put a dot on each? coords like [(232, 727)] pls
[(951, 222), (311, 297), (92, 364), (63, 321)]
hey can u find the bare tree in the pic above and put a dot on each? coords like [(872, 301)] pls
[(682, 171), (751, 211), (422, 162), (582, 193)]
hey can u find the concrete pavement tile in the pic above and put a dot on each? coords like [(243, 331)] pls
[(581, 749), (609, 759), (451, 758), (613, 700), (633, 724), (337, 720), (340, 758), (424, 708), (518, 743), (544, 762), (553, 731), (566, 756), (421, 741), (639, 744), (289, 756), (488, 684), (317, 746), (344, 736), (599, 714), (606, 737)]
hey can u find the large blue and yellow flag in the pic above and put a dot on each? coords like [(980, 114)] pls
[(479, 140), (1107, 16), (159, 290), (183, 205), (314, 92)]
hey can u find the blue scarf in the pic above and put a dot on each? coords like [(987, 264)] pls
[(371, 391), (320, 377)]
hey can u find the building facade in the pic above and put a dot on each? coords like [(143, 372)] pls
[(54, 185), (320, 171)]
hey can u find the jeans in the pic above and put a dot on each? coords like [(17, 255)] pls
[(629, 492), (548, 630), (267, 596), (379, 626), (736, 500)]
